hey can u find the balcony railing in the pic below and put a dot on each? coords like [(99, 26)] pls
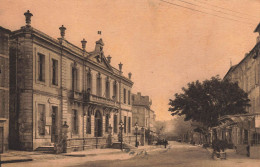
[(100, 100)]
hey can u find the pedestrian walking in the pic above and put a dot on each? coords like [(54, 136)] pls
[(165, 143)]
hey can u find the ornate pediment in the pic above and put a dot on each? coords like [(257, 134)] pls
[(98, 55)]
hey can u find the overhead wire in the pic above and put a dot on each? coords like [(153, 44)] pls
[(196, 10), (190, 3), (225, 8)]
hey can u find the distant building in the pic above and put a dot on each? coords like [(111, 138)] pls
[(143, 115), (4, 88), (244, 129), (55, 83)]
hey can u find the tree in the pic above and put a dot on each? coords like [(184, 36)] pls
[(181, 127), (205, 102)]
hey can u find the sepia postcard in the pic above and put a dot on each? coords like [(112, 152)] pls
[(127, 83)]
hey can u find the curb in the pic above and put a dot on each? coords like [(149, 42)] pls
[(85, 155), (16, 160)]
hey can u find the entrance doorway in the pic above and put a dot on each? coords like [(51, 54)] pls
[(98, 124), (54, 124)]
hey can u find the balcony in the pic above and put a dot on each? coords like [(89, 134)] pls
[(90, 98)]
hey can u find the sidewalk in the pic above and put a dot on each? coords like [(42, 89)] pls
[(231, 154), (13, 156)]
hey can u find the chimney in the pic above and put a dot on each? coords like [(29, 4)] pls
[(120, 66), (28, 16), (129, 75), (109, 58), (62, 31), (84, 42)]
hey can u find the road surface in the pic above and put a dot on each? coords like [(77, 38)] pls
[(176, 155)]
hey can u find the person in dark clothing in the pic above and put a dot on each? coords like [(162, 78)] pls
[(165, 143)]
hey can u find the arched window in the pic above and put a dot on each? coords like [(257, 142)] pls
[(88, 123), (99, 85)]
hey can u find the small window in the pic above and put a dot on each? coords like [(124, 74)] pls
[(41, 67), (54, 72), (41, 119)]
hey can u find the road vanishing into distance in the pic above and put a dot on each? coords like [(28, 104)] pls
[(175, 155)]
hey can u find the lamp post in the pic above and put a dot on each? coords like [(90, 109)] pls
[(121, 133), (136, 129), (109, 135), (65, 128)]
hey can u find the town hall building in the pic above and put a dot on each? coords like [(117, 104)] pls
[(55, 83)]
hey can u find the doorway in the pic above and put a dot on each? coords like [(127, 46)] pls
[(98, 124)]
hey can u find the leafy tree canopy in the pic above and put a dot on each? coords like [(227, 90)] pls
[(207, 101)]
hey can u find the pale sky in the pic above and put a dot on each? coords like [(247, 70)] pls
[(164, 46)]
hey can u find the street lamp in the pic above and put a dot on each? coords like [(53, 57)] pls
[(136, 129), (121, 131), (65, 128), (109, 135)]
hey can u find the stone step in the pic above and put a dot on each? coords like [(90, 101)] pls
[(117, 145), (46, 149)]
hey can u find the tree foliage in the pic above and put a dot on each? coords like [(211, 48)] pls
[(207, 101), (181, 127)]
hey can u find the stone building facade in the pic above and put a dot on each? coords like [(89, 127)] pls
[(246, 128), (143, 115), (4, 88), (59, 83)]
